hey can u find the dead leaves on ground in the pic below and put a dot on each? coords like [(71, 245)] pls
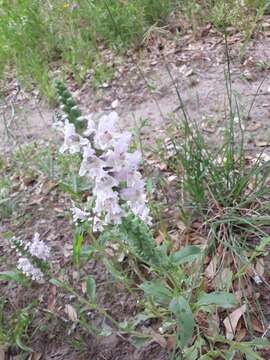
[(232, 320), (71, 312), (221, 274)]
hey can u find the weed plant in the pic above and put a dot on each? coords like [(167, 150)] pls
[(229, 198)]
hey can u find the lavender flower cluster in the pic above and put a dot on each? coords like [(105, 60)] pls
[(113, 170), (36, 249)]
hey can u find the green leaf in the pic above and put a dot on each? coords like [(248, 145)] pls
[(191, 353), (245, 348), (105, 331), (185, 319), (158, 291), (260, 343), (264, 242), (188, 254), (14, 276), (112, 270), (230, 355), (138, 341), (221, 298), (57, 283), (77, 245), (213, 354), (91, 289), (21, 345)]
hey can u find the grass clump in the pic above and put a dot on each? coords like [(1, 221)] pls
[(38, 37)]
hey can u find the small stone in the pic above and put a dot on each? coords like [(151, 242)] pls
[(115, 104), (247, 74)]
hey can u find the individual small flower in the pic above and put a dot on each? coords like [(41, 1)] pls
[(98, 224), (106, 201), (74, 6), (141, 210), (29, 269), (71, 139), (107, 128), (133, 160), (132, 194), (114, 213), (38, 248), (105, 182), (79, 215), (91, 165), (91, 126), (122, 143)]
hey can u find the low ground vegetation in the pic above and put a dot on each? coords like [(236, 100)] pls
[(113, 247), (38, 38)]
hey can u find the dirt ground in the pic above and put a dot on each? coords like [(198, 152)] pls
[(197, 69)]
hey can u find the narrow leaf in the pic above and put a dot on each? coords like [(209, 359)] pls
[(91, 289), (13, 276), (77, 246)]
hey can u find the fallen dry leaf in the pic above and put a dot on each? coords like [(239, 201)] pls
[(252, 272), (158, 338), (260, 266), (261, 143), (48, 186), (160, 238), (83, 286), (257, 326), (238, 294), (231, 321), (35, 356), (52, 298), (254, 126), (71, 312), (213, 325), (211, 269), (2, 354), (241, 332), (170, 343)]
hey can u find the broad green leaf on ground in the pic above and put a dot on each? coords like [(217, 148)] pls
[(185, 319), (187, 254), (158, 291), (221, 298)]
